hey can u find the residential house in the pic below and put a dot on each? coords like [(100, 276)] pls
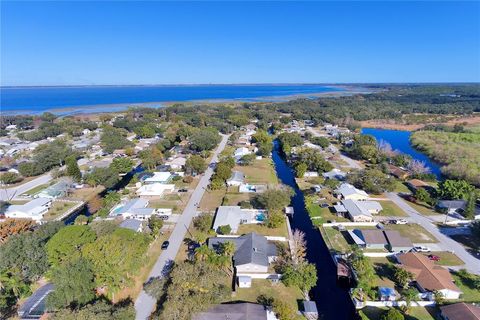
[(234, 311), (452, 206), (234, 216), (310, 174), (310, 310), (132, 224), (335, 174), (460, 311), (371, 238), (56, 190), (34, 209), (253, 252), (396, 242), (236, 179), (416, 184), (154, 190), (158, 177), (177, 163), (397, 172), (133, 209), (347, 191), (240, 152), (358, 211), (428, 276)]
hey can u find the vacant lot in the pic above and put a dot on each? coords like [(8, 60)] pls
[(335, 239), (260, 172), (413, 231)]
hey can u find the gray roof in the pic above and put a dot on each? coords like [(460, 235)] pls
[(131, 205), (309, 306), (249, 248), (131, 224), (354, 209), (34, 307), (229, 215), (373, 236), (237, 176), (29, 206), (234, 311), (452, 204)]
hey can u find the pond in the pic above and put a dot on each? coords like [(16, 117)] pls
[(333, 302), (400, 140)]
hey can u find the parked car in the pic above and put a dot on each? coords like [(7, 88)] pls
[(433, 257), (421, 249), (182, 190), (400, 221), (165, 245), (324, 205)]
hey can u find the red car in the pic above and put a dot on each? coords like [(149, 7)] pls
[(433, 257)]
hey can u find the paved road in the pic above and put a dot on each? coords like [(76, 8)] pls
[(145, 304), (10, 193), (472, 263), (350, 162)]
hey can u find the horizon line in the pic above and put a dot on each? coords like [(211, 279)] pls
[(239, 84)]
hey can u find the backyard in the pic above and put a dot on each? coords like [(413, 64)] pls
[(264, 230), (416, 313), (259, 172)]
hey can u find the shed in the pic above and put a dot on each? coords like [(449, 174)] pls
[(310, 309), (244, 281)]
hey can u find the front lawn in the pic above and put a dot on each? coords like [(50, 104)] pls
[(423, 209), (413, 231), (466, 285), (36, 189), (447, 258), (390, 209), (278, 291), (211, 200)]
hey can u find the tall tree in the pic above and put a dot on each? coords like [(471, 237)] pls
[(72, 168), (67, 243)]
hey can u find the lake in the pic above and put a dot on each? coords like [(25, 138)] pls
[(400, 140), (113, 98)]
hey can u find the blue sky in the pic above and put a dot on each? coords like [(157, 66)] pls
[(68, 43)]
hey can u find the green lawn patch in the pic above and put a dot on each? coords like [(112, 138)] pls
[(36, 190), (264, 230), (447, 259), (335, 239), (260, 287), (423, 209), (470, 293), (413, 231), (57, 209), (391, 209), (416, 313), (260, 172)]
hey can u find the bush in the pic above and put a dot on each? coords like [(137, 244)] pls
[(188, 179), (10, 177), (226, 229)]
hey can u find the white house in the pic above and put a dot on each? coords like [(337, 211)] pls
[(132, 224), (133, 209), (240, 152), (154, 189), (359, 211), (335, 174), (34, 209), (347, 191), (234, 216), (236, 179), (310, 174), (158, 177), (177, 163)]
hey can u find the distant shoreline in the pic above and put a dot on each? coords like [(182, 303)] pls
[(119, 107)]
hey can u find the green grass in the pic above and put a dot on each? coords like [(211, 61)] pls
[(335, 239), (401, 187), (37, 189), (423, 209), (314, 210), (264, 230), (261, 172), (447, 259), (383, 272), (58, 208), (391, 209), (413, 231), (470, 293), (415, 313), (279, 291)]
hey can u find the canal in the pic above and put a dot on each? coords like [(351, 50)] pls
[(333, 302)]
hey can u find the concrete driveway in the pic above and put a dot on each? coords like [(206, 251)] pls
[(145, 304), (472, 264)]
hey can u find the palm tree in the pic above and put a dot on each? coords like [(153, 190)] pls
[(203, 252), (228, 248)]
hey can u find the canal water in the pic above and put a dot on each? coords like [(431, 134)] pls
[(400, 140), (333, 302)]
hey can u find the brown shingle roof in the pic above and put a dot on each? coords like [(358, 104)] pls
[(461, 311), (374, 237), (396, 240), (428, 275), (416, 183)]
